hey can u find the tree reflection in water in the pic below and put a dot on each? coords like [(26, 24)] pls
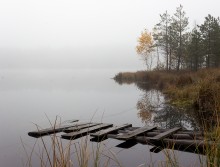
[(150, 101), (152, 110)]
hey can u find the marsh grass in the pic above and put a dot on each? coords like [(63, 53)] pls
[(199, 89), (212, 139), (52, 151)]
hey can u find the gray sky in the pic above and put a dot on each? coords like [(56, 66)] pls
[(100, 30)]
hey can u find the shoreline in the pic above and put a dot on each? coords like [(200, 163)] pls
[(200, 89)]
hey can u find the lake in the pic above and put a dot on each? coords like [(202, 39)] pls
[(32, 96)]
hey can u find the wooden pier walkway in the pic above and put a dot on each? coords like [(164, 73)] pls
[(175, 138)]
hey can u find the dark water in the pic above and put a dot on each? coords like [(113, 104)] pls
[(29, 97)]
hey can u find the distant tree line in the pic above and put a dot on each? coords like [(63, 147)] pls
[(182, 48)]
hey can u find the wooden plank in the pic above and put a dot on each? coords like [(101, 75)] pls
[(47, 131), (174, 136), (79, 127), (83, 132), (165, 134), (109, 130), (131, 134), (190, 132)]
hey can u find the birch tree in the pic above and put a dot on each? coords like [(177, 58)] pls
[(145, 47)]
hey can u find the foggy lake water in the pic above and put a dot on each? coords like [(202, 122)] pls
[(29, 97), (58, 58)]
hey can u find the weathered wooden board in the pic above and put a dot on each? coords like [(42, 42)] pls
[(47, 131), (109, 130), (131, 134), (79, 127), (165, 134), (190, 132), (83, 132)]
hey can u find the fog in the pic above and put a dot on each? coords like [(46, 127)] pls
[(88, 58), (83, 34)]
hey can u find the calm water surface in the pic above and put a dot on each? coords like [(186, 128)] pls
[(29, 97)]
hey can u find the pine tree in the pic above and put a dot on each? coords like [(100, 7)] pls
[(161, 36), (195, 50), (179, 25), (210, 31)]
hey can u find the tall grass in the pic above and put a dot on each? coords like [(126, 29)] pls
[(213, 150), (53, 151)]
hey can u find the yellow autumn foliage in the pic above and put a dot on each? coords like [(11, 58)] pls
[(145, 43)]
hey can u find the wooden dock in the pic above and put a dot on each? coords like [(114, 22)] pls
[(175, 138)]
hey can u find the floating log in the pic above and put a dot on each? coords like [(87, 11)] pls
[(131, 134), (47, 131), (103, 133), (194, 146), (83, 132), (173, 136), (79, 127), (192, 133)]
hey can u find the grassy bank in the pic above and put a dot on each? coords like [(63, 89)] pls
[(199, 89)]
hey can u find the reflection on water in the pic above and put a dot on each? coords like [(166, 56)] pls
[(149, 102), (153, 110), (171, 116)]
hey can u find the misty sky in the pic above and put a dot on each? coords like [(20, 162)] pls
[(83, 33)]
